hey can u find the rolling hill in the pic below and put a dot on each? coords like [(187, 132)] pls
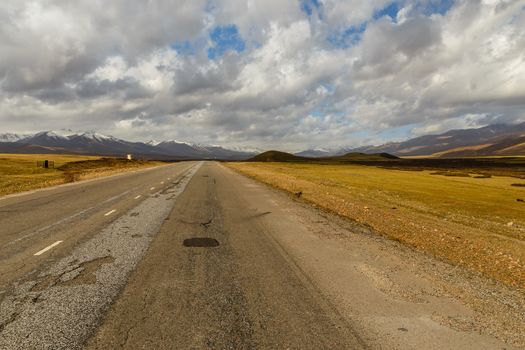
[(492, 140), (277, 156)]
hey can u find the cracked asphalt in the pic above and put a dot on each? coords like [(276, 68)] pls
[(213, 260), (60, 306), (240, 294)]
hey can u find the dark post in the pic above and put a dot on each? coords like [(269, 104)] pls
[(46, 164)]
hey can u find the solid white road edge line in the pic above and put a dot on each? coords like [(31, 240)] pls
[(48, 248), (110, 212)]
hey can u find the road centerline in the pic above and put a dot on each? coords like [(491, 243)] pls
[(110, 212), (49, 247)]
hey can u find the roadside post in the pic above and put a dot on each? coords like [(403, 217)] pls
[(46, 164)]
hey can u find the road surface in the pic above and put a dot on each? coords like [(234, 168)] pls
[(196, 256)]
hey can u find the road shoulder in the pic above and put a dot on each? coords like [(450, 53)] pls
[(397, 295)]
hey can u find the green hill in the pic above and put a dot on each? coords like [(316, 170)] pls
[(277, 156)]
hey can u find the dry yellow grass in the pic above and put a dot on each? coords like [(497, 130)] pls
[(474, 222), (18, 172)]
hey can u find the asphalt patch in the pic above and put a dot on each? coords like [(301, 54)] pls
[(200, 242)]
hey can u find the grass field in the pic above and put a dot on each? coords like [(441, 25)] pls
[(18, 172), (477, 222)]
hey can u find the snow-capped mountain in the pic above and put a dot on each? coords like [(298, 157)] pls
[(152, 142), (91, 142), (497, 139), (318, 153), (10, 137), (175, 147)]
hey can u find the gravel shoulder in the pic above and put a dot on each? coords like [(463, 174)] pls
[(472, 222), (399, 297)]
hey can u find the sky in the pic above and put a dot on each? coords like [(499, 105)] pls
[(279, 74)]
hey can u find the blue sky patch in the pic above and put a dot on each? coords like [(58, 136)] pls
[(348, 37), (397, 133), (183, 47), (390, 10), (225, 38), (210, 6), (320, 110), (309, 6), (438, 6)]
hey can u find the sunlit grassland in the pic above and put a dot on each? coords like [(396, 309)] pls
[(19, 172), (475, 222)]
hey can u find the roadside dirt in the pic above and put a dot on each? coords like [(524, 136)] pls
[(485, 234)]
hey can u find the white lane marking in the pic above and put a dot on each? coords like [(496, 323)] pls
[(116, 197), (45, 228), (66, 219), (138, 196), (162, 182), (110, 212), (48, 248), (151, 189)]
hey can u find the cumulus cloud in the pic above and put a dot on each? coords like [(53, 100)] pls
[(287, 74)]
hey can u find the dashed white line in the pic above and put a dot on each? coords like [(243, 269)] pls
[(116, 197), (48, 248), (110, 212), (66, 219), (162, 182), (138, 196), (151, 189)]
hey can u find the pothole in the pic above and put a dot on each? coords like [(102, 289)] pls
[(84, 273), (200, 242), (87, 271), (44, 283)]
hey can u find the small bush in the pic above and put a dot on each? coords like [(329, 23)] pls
[(70, 176), (449, 173), (482, 176)]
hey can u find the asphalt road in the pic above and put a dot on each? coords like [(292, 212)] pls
[(195, 256), (242, 292), (67, 251), (70, 214)]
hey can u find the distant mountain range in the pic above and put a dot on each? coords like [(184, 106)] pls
[(67, 141), (492, 140)]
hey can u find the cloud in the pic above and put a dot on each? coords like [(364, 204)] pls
[(286, 74)]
